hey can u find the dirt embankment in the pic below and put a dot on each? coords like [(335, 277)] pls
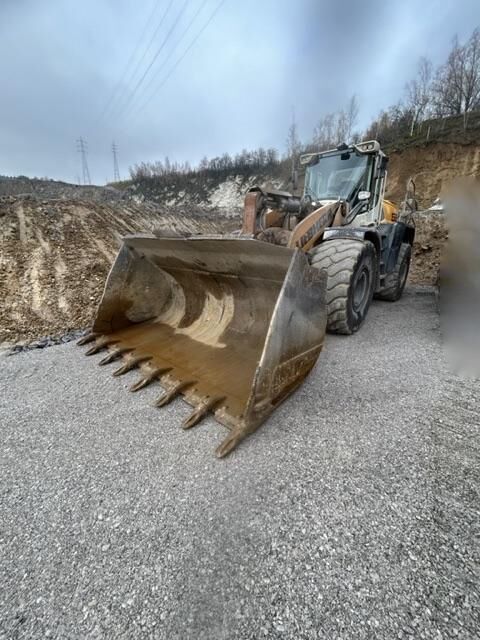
[(55, 256), (45, 189), (433, 168), (430, 238)]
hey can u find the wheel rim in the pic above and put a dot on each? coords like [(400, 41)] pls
[(361, 291)]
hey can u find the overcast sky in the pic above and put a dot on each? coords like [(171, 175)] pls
[(65, 74)]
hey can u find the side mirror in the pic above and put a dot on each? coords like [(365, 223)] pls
[(364, 195)]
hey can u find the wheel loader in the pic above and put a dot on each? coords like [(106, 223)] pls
[(235, 323)]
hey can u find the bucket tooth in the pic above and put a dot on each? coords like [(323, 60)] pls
[(131, 363), (150, 377), (201, 411), (90, 337), (99, 345), (114, 355), (230, 443), (168, 396)]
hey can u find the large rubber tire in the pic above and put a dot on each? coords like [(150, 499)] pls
[(351, 267), (396, 280)]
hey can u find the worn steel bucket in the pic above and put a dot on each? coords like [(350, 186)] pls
[(232, 324)]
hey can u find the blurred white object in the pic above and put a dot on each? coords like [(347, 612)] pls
[(460, 278), (437, 206)]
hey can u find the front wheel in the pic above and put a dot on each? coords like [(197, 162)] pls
[(396, 280), (351, 267)]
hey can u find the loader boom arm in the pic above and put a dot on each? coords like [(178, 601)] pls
[(278, 217), (310, 229)]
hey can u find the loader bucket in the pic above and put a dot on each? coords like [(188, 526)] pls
[(232, 324)]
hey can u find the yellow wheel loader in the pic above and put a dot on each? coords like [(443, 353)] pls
[(235, 323)]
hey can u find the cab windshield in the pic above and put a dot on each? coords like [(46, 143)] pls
[(338, 176)]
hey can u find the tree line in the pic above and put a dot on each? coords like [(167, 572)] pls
[(244, 162), (452, 89)]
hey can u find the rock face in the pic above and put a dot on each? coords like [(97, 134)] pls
[(433, 168), (223, 194)]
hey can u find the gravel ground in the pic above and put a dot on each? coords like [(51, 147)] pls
[(351, 514)]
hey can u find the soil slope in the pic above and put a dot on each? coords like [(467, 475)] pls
[(430, 238), (55, 256), (433, 167)]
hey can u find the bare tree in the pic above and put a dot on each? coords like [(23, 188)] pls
[(471, 84), (272, 156), (419, 92), (329, 122), (448, 83), (351, 116), (293, 141), (341, 127), (320, 137), (334, 128), (324, 132), (457, 84), (294, 146)]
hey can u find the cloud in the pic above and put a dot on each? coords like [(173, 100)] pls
[(235, 88)]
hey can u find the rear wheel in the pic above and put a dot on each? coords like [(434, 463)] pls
[(351, 267), (396, 280)]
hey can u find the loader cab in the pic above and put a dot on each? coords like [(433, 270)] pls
[(354, 174)]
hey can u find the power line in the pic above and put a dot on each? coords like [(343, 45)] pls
[(82, 149), (116, 171), (212, 16), (118, 107), (172, 51), (157, 53), (133, 55)]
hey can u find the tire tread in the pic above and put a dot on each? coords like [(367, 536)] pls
[(391, 292), (339, 258)]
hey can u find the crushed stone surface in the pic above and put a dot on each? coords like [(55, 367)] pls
[(352, 513)]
